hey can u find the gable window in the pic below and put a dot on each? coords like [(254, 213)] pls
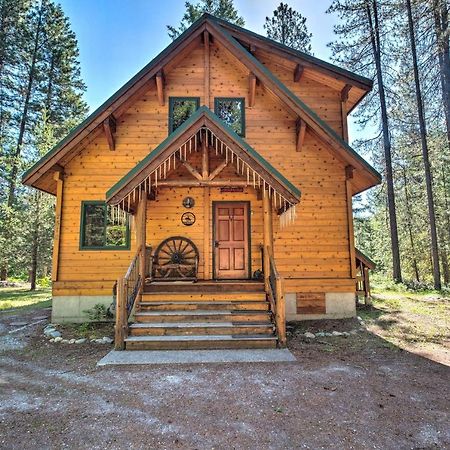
[(232, 112), (98, 231), (180, 109)]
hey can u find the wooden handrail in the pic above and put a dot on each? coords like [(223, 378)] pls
[(129, 288), (274, 290)]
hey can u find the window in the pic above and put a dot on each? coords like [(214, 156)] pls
[(232, 112), (99, 231), (180, 109)]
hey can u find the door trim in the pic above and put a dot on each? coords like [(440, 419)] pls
[(249, 228)]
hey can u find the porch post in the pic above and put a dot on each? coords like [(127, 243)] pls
[(141, 221), (267, 237)]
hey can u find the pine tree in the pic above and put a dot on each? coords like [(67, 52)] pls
[(224, 9), (289, 27), (362, 46)]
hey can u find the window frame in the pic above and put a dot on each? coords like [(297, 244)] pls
[(125, 247), (242, 101), (172, 100)]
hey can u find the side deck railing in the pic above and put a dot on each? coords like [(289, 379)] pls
[(128, 289), (274, 290)]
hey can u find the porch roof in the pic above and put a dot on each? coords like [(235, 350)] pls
[(202, 118)]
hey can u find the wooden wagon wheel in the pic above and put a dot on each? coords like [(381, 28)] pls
[(176, 257)]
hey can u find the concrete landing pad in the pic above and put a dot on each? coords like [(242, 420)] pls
[(195, 356)]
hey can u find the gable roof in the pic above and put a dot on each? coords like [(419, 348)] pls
[(93, 123), (248, 36), (360, 256), (203, 117)]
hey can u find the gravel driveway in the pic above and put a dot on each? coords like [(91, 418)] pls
[(342, 393)]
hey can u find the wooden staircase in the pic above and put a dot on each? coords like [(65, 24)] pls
[(202, 315)]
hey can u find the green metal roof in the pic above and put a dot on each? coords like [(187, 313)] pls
[(306, 56), (203, 111), (218, 22)]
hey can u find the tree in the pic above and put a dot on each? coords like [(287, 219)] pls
[(361, 45), (224, 9), (425, 153), (40, 100), (289, 27)]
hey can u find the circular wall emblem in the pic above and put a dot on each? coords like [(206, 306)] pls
[(188, 219), (188, 202)]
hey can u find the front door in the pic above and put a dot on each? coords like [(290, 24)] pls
[(231, 240)]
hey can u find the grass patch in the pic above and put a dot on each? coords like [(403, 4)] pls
[(22, 298), (408, 318)]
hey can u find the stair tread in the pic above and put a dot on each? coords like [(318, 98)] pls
[(200, 324), (210, 337), (200, 312), (169, 302)]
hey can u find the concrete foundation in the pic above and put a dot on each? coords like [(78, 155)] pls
[(338, 305), (70, 308)]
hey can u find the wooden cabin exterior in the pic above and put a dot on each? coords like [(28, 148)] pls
[(234, 146)]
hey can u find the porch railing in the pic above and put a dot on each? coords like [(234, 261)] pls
[(274, 290), (128, 289)]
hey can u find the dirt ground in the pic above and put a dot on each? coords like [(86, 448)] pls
[(352, 392)]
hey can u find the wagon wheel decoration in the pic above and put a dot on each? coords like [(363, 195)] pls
[(176, 257)]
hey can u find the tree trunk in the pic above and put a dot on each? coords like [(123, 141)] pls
[(441, 26), (24, 116), (409, 225), (375, 41), (426, 161)]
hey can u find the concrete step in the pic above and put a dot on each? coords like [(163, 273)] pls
[(260, 305), (200, 328), (201, 316), (199, 342)]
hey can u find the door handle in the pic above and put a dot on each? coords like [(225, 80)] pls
[(216, 244)]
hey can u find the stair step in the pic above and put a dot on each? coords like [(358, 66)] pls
[(203, 296), (262, 305), (199, 342), (200, 328), (201, 315), (205, 286)]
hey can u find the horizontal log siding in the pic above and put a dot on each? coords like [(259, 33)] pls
[(312, 254)]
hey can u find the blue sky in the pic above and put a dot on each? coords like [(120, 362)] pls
[(118, 37)]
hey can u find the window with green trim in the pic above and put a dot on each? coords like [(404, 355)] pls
[(232, 112), (180, 109), (99, 231)]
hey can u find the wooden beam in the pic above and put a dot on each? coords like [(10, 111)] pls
[(301, 131), (252, 49), (58, 177), (344, 111), (205, 157), (345, 91), (217, 170), (251, 89), (160, 87), (192, 170), (109, 127), (298, 72), (207, 237), (350, 229), (207, 68), (202, 183)]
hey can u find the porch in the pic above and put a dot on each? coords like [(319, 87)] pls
[(204, 275)]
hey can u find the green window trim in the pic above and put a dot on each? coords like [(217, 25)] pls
[(172, 101), (217, 100), (85, 203)]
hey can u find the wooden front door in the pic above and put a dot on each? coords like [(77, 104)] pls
[(231, 240)]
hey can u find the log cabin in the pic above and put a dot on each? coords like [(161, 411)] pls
[(209, 200)]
